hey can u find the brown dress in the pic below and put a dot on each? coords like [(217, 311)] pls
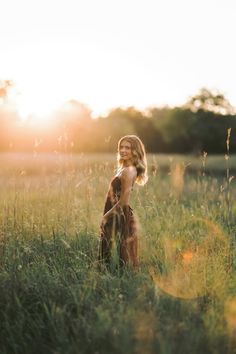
[(122, 226)]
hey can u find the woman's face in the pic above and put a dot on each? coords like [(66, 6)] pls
[(125, 150)]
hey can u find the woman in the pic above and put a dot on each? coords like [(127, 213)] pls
[(118, 219)]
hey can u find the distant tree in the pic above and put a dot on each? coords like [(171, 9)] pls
[(176, 130), (74, 112), (117, 124), (133, 121), (4, 87), (158, 117), (9, 116), (73, 122), (210, 130), (211, 101)]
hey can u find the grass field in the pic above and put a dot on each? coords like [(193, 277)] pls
[(55, 299)]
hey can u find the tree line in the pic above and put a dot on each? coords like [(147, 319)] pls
[(201, 124)]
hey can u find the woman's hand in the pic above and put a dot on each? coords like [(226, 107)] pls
[(103, 223)]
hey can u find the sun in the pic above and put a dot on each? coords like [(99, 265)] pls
[(36, 106)]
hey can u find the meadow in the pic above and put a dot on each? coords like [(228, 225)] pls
[(54, 297)]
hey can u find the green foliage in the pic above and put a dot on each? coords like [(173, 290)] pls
[(211, 101)]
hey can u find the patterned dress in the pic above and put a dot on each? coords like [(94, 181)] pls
[(122, 226)]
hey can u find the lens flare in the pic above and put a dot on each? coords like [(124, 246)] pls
[(197, 269)]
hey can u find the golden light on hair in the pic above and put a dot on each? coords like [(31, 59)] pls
[(139, 157)]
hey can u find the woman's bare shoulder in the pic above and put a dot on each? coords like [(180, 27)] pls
[(129, 172)]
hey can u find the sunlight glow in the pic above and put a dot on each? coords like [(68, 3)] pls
[(103, 56), (39, 108)]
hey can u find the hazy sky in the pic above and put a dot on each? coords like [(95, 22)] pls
[(109, 53)]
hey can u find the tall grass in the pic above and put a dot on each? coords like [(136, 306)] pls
[(55, 299)]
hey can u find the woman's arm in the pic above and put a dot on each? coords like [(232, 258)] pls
[(128, 177)]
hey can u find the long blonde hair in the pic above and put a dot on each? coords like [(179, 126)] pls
[(139, 157)]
